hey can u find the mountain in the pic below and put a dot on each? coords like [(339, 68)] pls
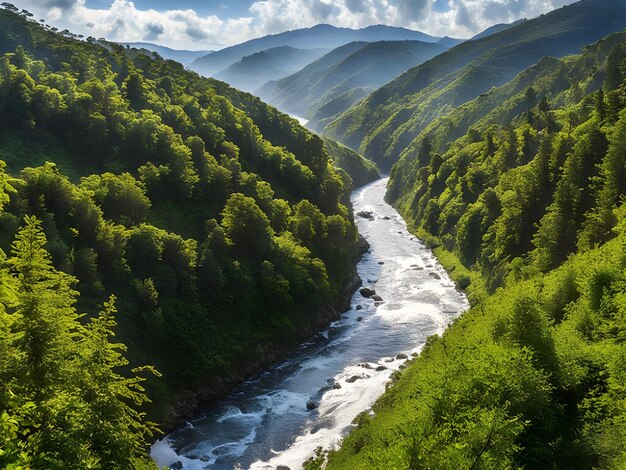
[(527, 211), (217, 225), (385, 123), (496, 28), (272, 64), (283, 93), (450, 42), (182, 56), (344, 76), (322, 36), (361, 73)]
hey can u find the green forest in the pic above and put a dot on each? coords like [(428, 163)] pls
[(160, 233), (527, 212)]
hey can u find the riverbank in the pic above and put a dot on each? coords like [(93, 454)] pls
[(186, 404), (280, 416)]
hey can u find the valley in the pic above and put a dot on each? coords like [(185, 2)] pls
[(202, 267)]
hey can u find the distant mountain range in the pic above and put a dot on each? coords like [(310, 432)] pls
[(256, 69), (382, 126), (182, 56), (321, 36), (334, 83)]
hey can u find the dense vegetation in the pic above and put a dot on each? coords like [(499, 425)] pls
[(383, 125), (218, 223), (529, 209), (360, 169)]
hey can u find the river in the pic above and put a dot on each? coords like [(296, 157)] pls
[(265, 423)]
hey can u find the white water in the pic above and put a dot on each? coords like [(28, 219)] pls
[(265, 423)]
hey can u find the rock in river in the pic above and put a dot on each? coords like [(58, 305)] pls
[(311, 405), (365, 214), (367, 292), (377, 298)]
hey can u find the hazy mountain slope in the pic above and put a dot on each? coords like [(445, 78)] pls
[(338, 80), (321, 36), (272, 64), (179, 55), (496, 28), (365, 70), (450, 42), (384, 124), (290, 93)]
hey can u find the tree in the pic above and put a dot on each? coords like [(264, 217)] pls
[(112, 424), (246, 227)]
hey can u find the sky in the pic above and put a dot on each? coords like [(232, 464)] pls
[(213, 24)]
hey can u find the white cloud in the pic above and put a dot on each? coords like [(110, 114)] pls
[(122, 21)]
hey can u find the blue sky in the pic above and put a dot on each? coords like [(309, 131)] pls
[(212, 24)]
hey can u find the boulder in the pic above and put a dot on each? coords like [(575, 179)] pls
[(386, 218), (359, 307), (381, 262), (435, 275), (380, 368), (359, 318), (402, 356), (283, 467), (367, 292), (311, 405), (365, 365), (353, 379), (336, 385), (365, 214), (377, 298)]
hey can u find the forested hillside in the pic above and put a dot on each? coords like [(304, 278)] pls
[(383, 125), (218, 223), (529, 211)]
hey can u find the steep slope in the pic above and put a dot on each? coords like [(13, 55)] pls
[(528, 212), (360, 169), (322, 36), (272, 64), (384, 124), (219, 223), (496, 28), (344, 76), (449, 42), (179, 55), (364, 70), (290, 92)]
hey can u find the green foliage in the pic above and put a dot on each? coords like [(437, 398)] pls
[(505, 388), (63, 401), (186, 199), (528, 207)]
